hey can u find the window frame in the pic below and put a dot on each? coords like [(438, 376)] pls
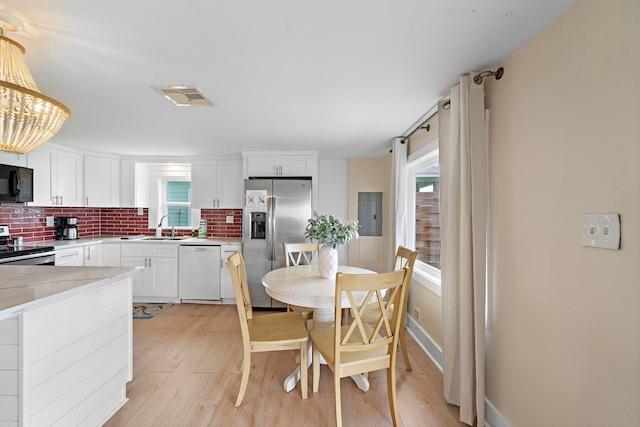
[(423, 273), (163, 203)]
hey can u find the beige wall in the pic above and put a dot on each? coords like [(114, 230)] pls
[(375, 175), (564, 343), (370, 175)]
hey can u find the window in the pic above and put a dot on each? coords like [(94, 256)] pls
[(423, 187), (168, 189), (177, 202)]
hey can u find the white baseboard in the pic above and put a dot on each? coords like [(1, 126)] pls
[(493, 418)]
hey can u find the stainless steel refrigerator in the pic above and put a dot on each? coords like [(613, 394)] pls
[(276, 212)]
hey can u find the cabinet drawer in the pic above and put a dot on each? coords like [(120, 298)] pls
[(71, 256), (133, 250), (149, 250), (170, 251)]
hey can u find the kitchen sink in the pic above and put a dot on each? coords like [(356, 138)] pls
[(163, 238)]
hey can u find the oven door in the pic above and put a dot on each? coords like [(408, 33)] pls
[(47, 258)]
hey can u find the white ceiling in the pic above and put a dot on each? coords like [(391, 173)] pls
[(339, 76)]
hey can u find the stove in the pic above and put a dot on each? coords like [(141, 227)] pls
[(24, 254)]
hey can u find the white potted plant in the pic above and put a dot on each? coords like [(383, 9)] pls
[(330, 234)]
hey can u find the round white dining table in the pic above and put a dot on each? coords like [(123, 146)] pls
[(302, 285)]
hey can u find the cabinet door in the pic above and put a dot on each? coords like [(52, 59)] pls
[(217, 184), (141, 280), (230, 184), (204, 184), (101, 181), (42, 161), (296, 165), (13, 159), (57, 177), (164, 277), (127, 183), (92, 255), (110, 256), (263, 165), (70, 182), (226, 285)]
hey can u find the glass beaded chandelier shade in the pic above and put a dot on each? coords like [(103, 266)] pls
[(28, 118)]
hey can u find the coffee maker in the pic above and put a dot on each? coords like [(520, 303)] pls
[(66, 228)]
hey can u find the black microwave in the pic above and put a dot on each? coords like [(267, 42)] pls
[(16, 184)]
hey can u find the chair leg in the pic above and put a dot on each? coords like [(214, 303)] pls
[(304, 370), (336, 386), (391, 389), (246, 367), (316, 370), (403, 348)]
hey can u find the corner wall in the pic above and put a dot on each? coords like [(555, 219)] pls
[(563, 348)]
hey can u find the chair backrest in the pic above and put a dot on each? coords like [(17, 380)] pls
[(405, 258), (295, 253), (235, 264), (366, 336)]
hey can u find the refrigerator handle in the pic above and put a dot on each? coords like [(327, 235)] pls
[(272, 243)]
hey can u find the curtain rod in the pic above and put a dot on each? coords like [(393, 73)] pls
[(477, 79)]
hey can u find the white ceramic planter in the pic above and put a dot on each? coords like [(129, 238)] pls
[(327, 262)]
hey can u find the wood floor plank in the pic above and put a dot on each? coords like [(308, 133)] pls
[(187, 373), (176, 410)]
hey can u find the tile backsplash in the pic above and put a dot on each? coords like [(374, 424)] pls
[(30, 222)]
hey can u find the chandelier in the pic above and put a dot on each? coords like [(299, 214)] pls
[(28, 118)]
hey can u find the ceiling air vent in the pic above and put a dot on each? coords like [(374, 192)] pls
[(184, 96)]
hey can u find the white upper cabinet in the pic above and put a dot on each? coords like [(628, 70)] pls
[(13, 159), (133, 185), (102, 181), (299, 164), (217, 184), (57, 177)]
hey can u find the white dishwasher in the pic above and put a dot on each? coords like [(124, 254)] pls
[(199, 273)]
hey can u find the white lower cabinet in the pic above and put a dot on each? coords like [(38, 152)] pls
[(70, 256), (159, 281), (226, 285), (92, 255), (110, 255)]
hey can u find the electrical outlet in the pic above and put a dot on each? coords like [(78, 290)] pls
[(600, 231), (416, 313), (49, 221), (229, 219)]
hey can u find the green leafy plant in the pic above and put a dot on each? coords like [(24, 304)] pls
[(327, 230)]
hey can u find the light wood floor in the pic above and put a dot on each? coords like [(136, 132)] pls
[(187, 373)]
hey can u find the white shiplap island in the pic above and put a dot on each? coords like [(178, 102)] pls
[(65, 344)]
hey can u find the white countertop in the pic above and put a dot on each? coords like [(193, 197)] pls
[(61, 244), (25, 287)]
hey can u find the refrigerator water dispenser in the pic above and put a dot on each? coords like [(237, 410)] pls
[(258, 225)]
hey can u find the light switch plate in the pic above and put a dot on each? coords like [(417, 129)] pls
[(49, 221), (600, 230), (229, 219)]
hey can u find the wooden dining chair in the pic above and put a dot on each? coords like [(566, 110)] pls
[(268, 332), (361, 346), (295, 254), (405, 258)]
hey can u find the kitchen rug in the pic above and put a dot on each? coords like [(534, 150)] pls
[(149, 310)]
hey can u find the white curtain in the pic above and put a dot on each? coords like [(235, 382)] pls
[(463, 208), (399, 194)]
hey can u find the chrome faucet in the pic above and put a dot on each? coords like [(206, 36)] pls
[(173, 228)]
